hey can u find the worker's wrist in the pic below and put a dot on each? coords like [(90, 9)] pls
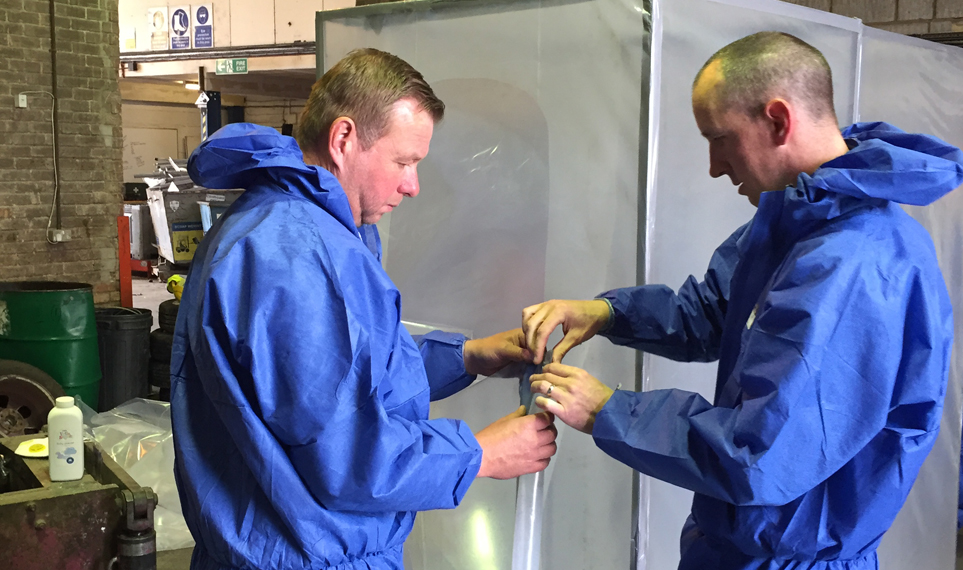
[(611, 317), (467, 356)]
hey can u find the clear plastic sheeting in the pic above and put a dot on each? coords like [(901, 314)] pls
[(530, 192), (916, 86), (137, 435)]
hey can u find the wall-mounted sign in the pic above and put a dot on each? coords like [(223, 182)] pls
[(230, 66), (180, 29), (203, 20), (157, 20), (128, 38)]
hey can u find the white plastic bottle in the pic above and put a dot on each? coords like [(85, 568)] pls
[(65, 432)]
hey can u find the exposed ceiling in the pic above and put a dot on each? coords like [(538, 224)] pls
[(282, 84)]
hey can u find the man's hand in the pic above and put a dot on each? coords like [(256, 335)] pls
[(572, 394), (488, 355), (580, 321), (517, 444)]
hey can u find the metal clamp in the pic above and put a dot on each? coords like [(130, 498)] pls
[(139, 508), (137, 544)]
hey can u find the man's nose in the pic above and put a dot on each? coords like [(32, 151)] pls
[(717, 167), (409, 184)]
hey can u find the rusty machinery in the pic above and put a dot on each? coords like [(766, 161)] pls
[(27, 394), (104, 521)]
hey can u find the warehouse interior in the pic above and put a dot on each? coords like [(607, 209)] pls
[(102, 103)]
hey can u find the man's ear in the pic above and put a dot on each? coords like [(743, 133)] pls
[(342, 140), (779, 115)]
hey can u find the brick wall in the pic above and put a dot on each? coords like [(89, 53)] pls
[(900, 16), (90, 143)]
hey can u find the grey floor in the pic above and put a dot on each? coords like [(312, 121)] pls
[(174, 559), (149, 295)]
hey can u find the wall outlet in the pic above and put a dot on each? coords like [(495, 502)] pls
[(58, 236), (22, 100)]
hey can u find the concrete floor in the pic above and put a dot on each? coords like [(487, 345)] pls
[(149, 295), (174, 559)]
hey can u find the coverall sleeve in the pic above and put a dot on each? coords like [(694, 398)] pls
[(817, 374), (684, 326), (310, 347), (444, 357)]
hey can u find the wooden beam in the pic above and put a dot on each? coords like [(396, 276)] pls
[(168, 93)]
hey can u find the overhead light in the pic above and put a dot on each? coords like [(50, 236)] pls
[(192, 86)]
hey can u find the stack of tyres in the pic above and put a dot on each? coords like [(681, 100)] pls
[(160, 348)]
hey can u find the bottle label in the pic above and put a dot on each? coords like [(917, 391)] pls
[(66, 455), (66, 438)]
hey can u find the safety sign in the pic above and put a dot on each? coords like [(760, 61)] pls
[(203, 20), (157, 20), (180, 27)]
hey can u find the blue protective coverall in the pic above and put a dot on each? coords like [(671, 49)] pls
[(299, 401), (832, 326)]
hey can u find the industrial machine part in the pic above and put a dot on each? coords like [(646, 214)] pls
[(104, 521), (27, 394), (137, 544)]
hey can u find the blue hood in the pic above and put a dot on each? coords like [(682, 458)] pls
[(890, 164), (242, 155)]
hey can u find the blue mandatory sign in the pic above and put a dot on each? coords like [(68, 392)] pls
[(203, 30), (180, 26)]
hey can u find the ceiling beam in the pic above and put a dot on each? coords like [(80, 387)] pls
[(167, 93)]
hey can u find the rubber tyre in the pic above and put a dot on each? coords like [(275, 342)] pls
[(161, 342), (167, 314), (29, 393), (159, 374)]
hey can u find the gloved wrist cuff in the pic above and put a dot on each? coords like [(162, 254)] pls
[(611, 320)]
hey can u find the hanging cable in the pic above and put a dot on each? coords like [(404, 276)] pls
[(56, 171), (55, 94)]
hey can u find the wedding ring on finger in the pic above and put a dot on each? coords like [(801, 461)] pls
[(550, 388)]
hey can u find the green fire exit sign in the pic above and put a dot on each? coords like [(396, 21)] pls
[(230, 66)]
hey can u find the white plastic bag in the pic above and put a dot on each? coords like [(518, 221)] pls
[(137, 435)]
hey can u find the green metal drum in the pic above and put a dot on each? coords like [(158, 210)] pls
[(51, 325)]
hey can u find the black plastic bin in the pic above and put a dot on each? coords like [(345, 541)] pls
[(123, 336)]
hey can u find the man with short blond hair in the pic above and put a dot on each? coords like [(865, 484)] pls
[(299, 401)]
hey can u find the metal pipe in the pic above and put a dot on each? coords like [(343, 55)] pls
[(946, 38), (56, 122), (298, 48)]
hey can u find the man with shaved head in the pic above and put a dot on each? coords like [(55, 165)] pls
[(827, 313)]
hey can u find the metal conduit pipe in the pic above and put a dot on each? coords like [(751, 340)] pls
[(298, 48), (55, 119), (947, 38)]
